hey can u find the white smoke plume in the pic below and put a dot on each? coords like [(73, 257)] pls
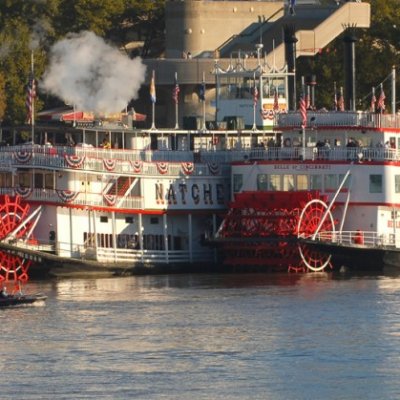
[(86, 72)]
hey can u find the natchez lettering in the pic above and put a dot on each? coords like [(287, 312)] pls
[(179, 192)]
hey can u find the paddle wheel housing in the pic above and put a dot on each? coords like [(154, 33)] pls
[(13, 212), (262, 229)]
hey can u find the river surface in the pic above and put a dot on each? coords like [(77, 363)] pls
[(255, 336)]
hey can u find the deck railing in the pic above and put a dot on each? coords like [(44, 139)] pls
[(370, 239), (94, 160), (118, 255), (360, 119)]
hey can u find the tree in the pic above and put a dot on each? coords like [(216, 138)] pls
[(377, 49)]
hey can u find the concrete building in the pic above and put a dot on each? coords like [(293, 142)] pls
[(199, 32)]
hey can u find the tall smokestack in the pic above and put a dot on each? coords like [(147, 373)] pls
[(350, 68), (290, 55)]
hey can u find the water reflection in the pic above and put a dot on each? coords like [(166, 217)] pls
[(245, 336)]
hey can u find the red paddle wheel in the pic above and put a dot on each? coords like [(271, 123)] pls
[(13, 212), (261, 229)]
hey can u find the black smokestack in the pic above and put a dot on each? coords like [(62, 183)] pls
[(350, 69), (290, 55)]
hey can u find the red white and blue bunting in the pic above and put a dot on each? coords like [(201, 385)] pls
[(23, 156), (267, 114), (137, 166), (110, 199), (213, 168), (109, 165), (188, 168), (67, 195), (24, 192), (162, 167), (74, 161)]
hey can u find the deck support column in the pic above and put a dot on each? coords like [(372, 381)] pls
[(114, 241), (71, 238), (165, 227), (190, 237), (141, 236), (214, 230), (95, 234)]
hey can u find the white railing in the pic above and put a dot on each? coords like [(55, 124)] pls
[(222, 157), (111, 255), (370, 239), (152, 256), (360, 119)]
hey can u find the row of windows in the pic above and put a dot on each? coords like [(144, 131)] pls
[(291, 182), (125, 241)]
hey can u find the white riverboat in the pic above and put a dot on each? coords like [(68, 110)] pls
[(84, 196), (257, 193)]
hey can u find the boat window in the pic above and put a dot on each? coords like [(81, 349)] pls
[(375, 183), (397, 183), (288, 183), (49, 181), (237, 182), (330, 183), (103, 219), (275, 182), (5, 179), (262, 182), (315, 182), (38, 178), (302, 182), (24, 179)]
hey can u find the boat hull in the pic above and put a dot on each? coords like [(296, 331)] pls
[(358, 257), (18, 300)]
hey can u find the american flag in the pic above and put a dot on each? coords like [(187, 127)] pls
[(276, 101), (303, 110), (30, 98), (176, 90), (380, 107), (341, 100), (202, 91), (255, 95), (153, 88), (373, 101)]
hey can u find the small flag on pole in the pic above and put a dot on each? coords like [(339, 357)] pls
[(176, 90), (202, 91), (380, 107), (30, 98), (341, 100), (276, 101), (153, 88), (303, 110), (373, 101), (255, 94)]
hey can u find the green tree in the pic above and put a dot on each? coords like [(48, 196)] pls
[(377, 50)]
